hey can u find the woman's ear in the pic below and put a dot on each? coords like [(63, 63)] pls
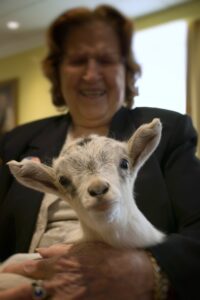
[(143, 142), (34, 175)]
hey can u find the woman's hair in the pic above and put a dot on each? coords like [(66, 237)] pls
[(57, 35)]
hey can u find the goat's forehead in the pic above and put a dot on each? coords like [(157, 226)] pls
[(96, 147), (93, 144)]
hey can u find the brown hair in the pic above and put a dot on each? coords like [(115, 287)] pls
[(57, 34)]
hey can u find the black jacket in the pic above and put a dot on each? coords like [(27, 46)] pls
[(167, 189)]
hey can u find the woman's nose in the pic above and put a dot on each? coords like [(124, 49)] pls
[(92, 70)]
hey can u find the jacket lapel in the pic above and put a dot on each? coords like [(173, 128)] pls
[(48, 143), (122, 125)]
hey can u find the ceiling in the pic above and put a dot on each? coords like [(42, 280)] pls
[(35, 15)]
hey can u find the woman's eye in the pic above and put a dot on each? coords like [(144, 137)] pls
[(124, 164), (107, 60), (64, 181), (76, 61)]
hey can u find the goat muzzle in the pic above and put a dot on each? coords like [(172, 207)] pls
[(98, 188)]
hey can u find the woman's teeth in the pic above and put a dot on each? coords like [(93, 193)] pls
[(92, 93)]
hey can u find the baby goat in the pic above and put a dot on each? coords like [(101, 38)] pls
[(96, 175)]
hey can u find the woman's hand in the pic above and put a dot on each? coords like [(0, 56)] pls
[(93, 271), (20, 267), (23, 292), (97, 271)]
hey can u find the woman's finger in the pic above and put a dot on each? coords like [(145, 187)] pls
[(41, 268), (58, 249)]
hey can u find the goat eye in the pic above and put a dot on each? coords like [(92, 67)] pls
[(124, 164), (64, 181)]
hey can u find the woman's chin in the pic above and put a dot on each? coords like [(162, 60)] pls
[(95, 114)]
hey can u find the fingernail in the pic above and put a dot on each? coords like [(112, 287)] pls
[(38, 249), (29, 267)]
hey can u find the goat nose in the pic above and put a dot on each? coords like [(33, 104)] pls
[(98, 188)]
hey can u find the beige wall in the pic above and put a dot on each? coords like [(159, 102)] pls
[(34, 100), (188, 11)]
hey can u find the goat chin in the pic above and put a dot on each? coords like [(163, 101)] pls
[(121, 228), (124, 237)]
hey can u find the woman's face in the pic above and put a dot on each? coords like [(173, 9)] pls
[(92, 74)]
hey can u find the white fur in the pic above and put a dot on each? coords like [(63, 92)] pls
[(101, 191)]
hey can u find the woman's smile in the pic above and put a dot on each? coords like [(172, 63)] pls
[(92, 93)]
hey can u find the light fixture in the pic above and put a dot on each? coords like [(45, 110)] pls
[(13, 25)]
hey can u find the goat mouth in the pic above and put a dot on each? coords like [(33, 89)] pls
[(102, 205)]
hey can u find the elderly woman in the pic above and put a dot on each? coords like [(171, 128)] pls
[(93, 72)]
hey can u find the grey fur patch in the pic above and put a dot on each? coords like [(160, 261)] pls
[(84, 141)]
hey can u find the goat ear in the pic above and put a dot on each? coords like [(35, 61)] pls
[(34, 175), (143, 142)]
